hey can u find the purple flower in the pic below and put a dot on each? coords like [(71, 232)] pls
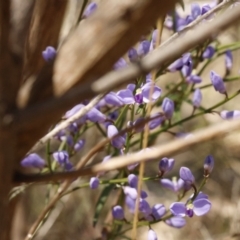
[(157, 121), (186, 175), (132, 180), (73, 111), (95, 115), (158, 211), (94, 182), (194, 79), (132, 55), (113, 99), (127, 96), (168, 107), (121, 63), (49, 54), (208, 165), (177, 222), (205, 8), (143, 48), (117, 212), (173, 185), (154, 39), (33, 160), (149, 88), (152, 235), (90, 9), (79, 145), (200, 206), (197, 98), (230, 114), (195, 10), (209, 52), (228, 60), (166, 165), (130, 203), (176, 65), (217, 82), (144, 207), (117, 142), (62, 158)]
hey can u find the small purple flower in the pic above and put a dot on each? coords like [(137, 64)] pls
[(132, 55), (127, 96), (176, 65), (33, 160), (62, 158), (157, 121), (199, 207), (194, 79), (176, 222), (186, 175), (79, 145), (217, 82), (152, 235), (149, 88), (121, 63), (117, 142), (95, 115), (144, 207), (189, 19), (143, 48), (230, 114), (94, 182), (113, 99), (132, 180), (73, 111), (197, 98), (195, 10), (168, 107), (49, 54), (205, 8), (166, 164), (208, 165), (90, 9), (158, 211), (173, 185), (209, 52), (228, 60), (117, 212)]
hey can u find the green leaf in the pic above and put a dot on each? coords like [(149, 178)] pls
[(101, 202)]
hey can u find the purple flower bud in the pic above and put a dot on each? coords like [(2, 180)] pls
[(73, 111), (187, 59), (189, 19), (133, 180), (117, 212), (166, 165), (121, 63), (117, 142), (113, 115), (205, 8), (144, 194), (132, 55), (230, 114), (208, 164), (152, 235), (61, 157), (90, 9), (186, 175), (194, 79), (49, 54), (94, 182), (144, 207), (176, 66), (79, 145), (95, 115), (228, 60), (113, 99), (157, 121), (196, 10), (131, 192), (127, 96), (209, 52), (168, 107), (143, 48), (138, 96), (158, 211), (33, 160), (176, 222), (197, 98), (130, 203), (217, 82), (149, 88)]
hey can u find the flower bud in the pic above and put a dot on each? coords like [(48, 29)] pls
[(33, 160), (117, 212), (217, 82), (132, 180), (228, 60), (186, 175), (94, 183), (49, 54), (132, 55), (208, 165), (209, 52), (168, 107), (197, 98), (79, 145), (90, 9), (143, 48), (152, 235)]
